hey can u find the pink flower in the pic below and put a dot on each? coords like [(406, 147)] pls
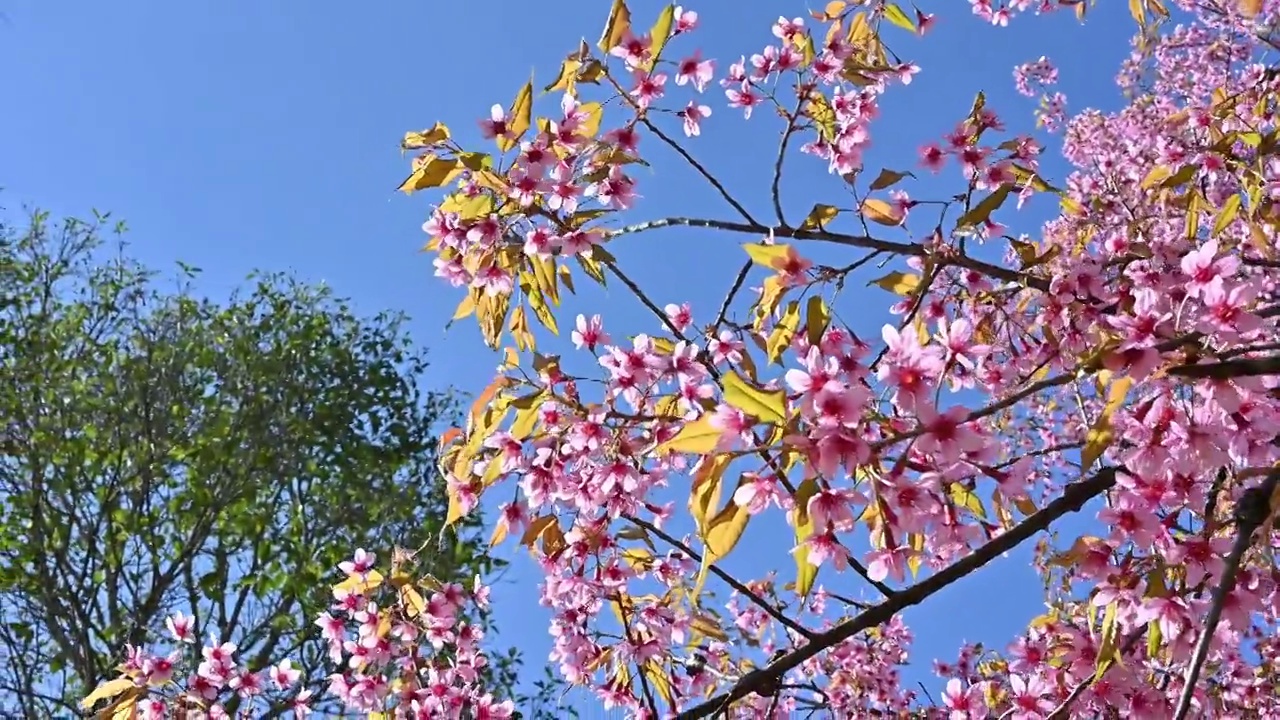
[(181, 627), (693, 115)]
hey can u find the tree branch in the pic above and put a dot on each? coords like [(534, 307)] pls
[(1254, 509), (860, 241), (1073, 497)]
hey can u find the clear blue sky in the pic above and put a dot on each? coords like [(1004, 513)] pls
[(244, 135)]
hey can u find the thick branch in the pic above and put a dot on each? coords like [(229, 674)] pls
[(1072, 499)]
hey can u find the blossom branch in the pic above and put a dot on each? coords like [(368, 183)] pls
[(1073, 498), (706, 174), (727, 578), (1254, 509), (1062, 712)]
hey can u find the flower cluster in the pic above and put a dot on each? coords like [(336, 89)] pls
[(1000, 384), (414, 656)]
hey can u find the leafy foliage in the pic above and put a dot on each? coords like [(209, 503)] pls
[(164, 453)]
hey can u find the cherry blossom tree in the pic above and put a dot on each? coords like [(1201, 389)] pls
[(1118, 362)]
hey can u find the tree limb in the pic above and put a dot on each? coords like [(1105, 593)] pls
[(1073, 497)]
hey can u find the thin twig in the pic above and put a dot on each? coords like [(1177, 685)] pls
[(729, 579), (728, 298), (643, 118), (775, 189)]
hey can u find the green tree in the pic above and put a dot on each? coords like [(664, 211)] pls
[(160, 452)]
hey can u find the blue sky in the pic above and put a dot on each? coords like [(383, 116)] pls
[(236, 136)]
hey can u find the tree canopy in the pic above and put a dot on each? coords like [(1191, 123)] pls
[(165, 455)]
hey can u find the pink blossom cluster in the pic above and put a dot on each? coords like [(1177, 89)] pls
[(896, 457), (414, 657), (955, 424)]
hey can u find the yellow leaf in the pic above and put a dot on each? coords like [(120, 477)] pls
[(519, 329), (784, 332), (817, 318), (1250, 8), (824, 116), (765, 405), (879, 211), (965, 498), (1025, 506), (819, 216), (637, 557), (499, 534), (553, 540), (535, 529), (590, 126), (833, 9), (431, 172), (468, 208), (491, 313), (412, 600), (704, 496), (466, 307), (360, 585), (1184, 175), (725, 530), (126, 708), (768, 256), (981, 212), (1100, 434), (698, 437), (895, 15), (526, 416), (1026, 177), (899, 283), (1229, 212), (615, 27), (707, 627), (521, 117), (432, 136), (806, 572), (108, 690), (859, 30), (721, 536), (1108, 647), (659, 680), (660, 33), (915, 541), (771, 294), (888, 178), (566, 277), (542, 311), (1157, 175), (1139, 12), (567, 79), (1154, 639)]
